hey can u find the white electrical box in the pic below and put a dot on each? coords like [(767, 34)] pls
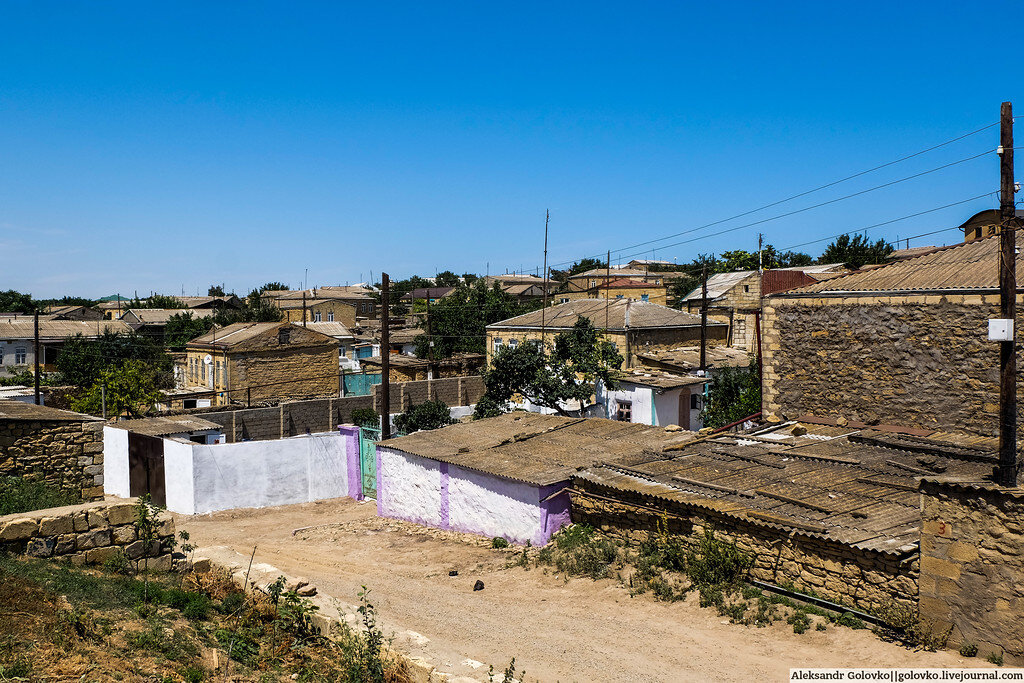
[(1000, 329)]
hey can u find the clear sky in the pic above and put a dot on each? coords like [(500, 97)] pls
[(160, 146)]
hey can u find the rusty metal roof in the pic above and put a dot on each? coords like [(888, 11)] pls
[(538, 449), (968, 266), (857, 487)]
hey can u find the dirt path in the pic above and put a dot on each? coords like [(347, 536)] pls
[(580, 630)]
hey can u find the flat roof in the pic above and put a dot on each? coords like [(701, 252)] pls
[(537, 449)]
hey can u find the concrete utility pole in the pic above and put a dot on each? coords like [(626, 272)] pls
[(385, 359), (36, 327), (1006, 472), (704, 319)]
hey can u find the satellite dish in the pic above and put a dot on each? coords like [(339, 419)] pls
[(207, 359)]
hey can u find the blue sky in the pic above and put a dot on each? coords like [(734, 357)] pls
[(161, 146)]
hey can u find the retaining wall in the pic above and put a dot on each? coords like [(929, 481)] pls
[(66, 454), (90, 533)]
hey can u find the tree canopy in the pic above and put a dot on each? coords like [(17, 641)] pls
[(447, 278), (580, 357), (128, 389), (734, 393), (458, 322), (427, 415), (13, 301), (215, 290), (856, 252), (82, 361)]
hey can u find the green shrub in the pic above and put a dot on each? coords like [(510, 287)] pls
[(716, 562), (365, 417), (578, 550), (799, 621), (995, 658), (499, 542), (18, 494), (425, 416), (969, 650)]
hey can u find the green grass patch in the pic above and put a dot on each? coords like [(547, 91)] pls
[(25, 495)]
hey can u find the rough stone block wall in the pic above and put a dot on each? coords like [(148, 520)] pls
[(66, 455), (920, 361), (854, 578), (287, 419), (972, 566), (292, 373), (90, 533)]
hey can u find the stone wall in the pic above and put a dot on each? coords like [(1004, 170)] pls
[(65, 454), (288, 373), (287, 419), (454, 391), (90, 533), (972, 566), (921, 361), (855, 578)]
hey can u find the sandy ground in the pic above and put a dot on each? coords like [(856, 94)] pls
[(558, 630)]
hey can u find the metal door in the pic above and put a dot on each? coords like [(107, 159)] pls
[(368, 460), (146, 467)]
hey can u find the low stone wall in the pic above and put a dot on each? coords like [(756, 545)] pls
[(287, 419), (972, 565), (454, 391), (856, 578), (90, 533), (66, 454)]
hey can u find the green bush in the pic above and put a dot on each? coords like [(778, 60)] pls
[(365, 417), (969, 650), (716, 562), (18, 494), (499, 542), (425, 416), (995, 658)]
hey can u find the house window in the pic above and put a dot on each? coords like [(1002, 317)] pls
[(624, 411), (645, 297), (746, 288), (593, 283), (618, 296), (203, 372), (497, 344), (20, 355), (1, 355), (316, 317), (513, 343), (330, 316), (694, 401), (564, 300), (284, 335)]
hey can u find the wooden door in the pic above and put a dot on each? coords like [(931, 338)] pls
[(146, 467)]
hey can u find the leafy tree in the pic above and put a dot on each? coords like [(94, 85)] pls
[(13, 301), (65, 301), (458, 322), (429, 415), (735, 393), (82, 361), (155, 301), (581, 266), (856, 252), (274, 287), (366, 417), (215, 290), (184, 327), (580, 357), (131, 390), (469, 278), (447, 278)]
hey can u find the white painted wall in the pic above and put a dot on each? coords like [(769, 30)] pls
[(264, 473), (115, 462), (491, 506), (179, 475), (639, 396), (408, 487)]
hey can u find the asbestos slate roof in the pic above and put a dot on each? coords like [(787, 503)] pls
[(18, 410), (687, 358), (855, 487), (642, 314), (52, 330), (537, 449), (170, 424), (969, 266)]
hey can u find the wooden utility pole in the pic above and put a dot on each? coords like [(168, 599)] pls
[(385, 359), (607, 290), (36, 327), (704, 319), (544, 284), (1006, 472), (303, 308)]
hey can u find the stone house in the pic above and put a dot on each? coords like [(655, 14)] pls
[(318, 311), (61, 448), (736, 296), (905, 342), (247, 362), (73, 313), (358, 297), (590, 279), (153, 321), (633, 326), (984, 224), (623, 288), (654, 398)]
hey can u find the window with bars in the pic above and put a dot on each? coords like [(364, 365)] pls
[(624, 411)]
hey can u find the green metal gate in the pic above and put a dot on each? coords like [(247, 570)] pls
[(368, 437)]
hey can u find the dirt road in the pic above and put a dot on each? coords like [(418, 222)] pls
[(576, 630)]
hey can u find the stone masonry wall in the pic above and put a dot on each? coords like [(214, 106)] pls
[(972, 566), (287, 419), (288, 373), (454, 391), (920, 361), (90, 533), (66, 455), (855, 578)]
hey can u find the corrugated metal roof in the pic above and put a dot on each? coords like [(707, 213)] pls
[(858, 489), (642, 314), (969, 266)]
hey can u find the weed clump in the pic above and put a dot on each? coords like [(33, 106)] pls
[(578, 550), (969, 650)]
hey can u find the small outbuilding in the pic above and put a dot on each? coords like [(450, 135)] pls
[(506, 476)]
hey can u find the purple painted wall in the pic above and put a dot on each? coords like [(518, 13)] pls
[(355, 481)]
